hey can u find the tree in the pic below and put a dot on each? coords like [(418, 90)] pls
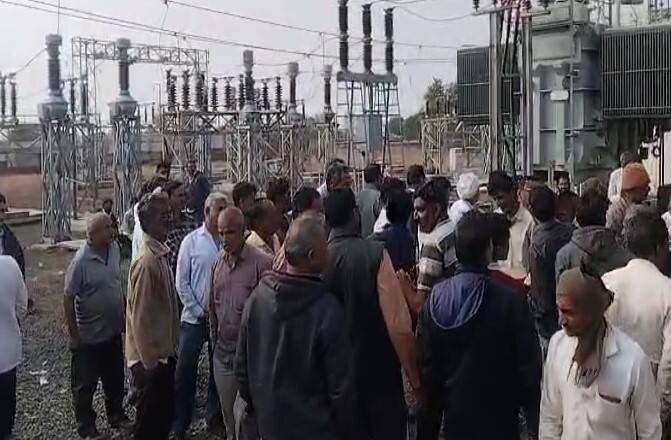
[(396, 126), (440, 97), (435, 91), (411, 127)]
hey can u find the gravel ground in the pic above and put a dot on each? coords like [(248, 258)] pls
[(44, 402)]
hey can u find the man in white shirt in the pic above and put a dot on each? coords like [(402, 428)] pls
[(502, 188), (597, 382), (642, 306), (13, 307), (468, 190), (615, 181), (323, 188), (196, 258), (152, 186)]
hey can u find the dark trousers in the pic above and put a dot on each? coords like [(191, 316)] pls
[(7, 403), (155, 401), (191, 340), (90, 363), (384, 417)]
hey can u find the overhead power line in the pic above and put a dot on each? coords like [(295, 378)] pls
[(304, 29), (30, 61), (433, 19), (113, 21)]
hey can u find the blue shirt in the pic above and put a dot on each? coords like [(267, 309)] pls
[(195, 261)]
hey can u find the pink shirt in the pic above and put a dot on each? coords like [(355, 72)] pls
[(233, 280)]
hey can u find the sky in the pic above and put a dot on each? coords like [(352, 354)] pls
[(23, 31)]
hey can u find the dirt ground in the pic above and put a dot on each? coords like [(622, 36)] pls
[(44, 403)]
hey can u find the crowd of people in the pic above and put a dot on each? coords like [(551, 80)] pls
[(391, 313)]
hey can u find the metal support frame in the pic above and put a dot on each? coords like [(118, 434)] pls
[(325, 146), (56, 190), (126, 161), (239, 157), (55, 151), (434, 133), (87, 53), (88, 162), (527, 98), (366, 99), (494, 90)]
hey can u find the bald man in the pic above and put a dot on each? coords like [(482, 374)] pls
[(94, 312), (236, 273), (264, 222), (293, 363)]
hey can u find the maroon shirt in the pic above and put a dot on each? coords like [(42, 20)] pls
[(233, 280), (511, 283)]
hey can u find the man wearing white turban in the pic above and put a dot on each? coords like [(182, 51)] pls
[(468, 190)]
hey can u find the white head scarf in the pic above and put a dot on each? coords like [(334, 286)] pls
[(468, 186)]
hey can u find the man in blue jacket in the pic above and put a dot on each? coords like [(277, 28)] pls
[(479, 353)]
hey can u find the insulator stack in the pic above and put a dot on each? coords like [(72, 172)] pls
[(199, 86), (265, 95), (186, 90), (248, 62), (172, 91), (229, 95), (123, 45), (3, 97), (476, 4), (214, 95), (241, 92), (205, 93), (367, 38), (53, 44), (54, 107), (328, 74), (169, 89), (293, 74), (73, 109), (84, 97), (278, 93), (343, 19), (389, 39), (12, 98), (257, 95)]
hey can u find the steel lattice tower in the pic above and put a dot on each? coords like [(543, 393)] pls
[(55, 151), (126, 137)]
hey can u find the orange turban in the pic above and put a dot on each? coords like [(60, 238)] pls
[(634, 176)]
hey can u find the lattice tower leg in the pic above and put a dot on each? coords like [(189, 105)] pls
[(56, 192), (126, 163), (205, 153), (298, 156), (188, 141)]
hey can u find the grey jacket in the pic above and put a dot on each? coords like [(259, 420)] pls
[(599, 244), (368, 201)]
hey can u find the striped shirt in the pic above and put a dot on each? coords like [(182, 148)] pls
[(437, 258)]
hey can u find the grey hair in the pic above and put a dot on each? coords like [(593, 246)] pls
[(336, 174), (301, 238), (643, 231), (94, 221), (213, 198)]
